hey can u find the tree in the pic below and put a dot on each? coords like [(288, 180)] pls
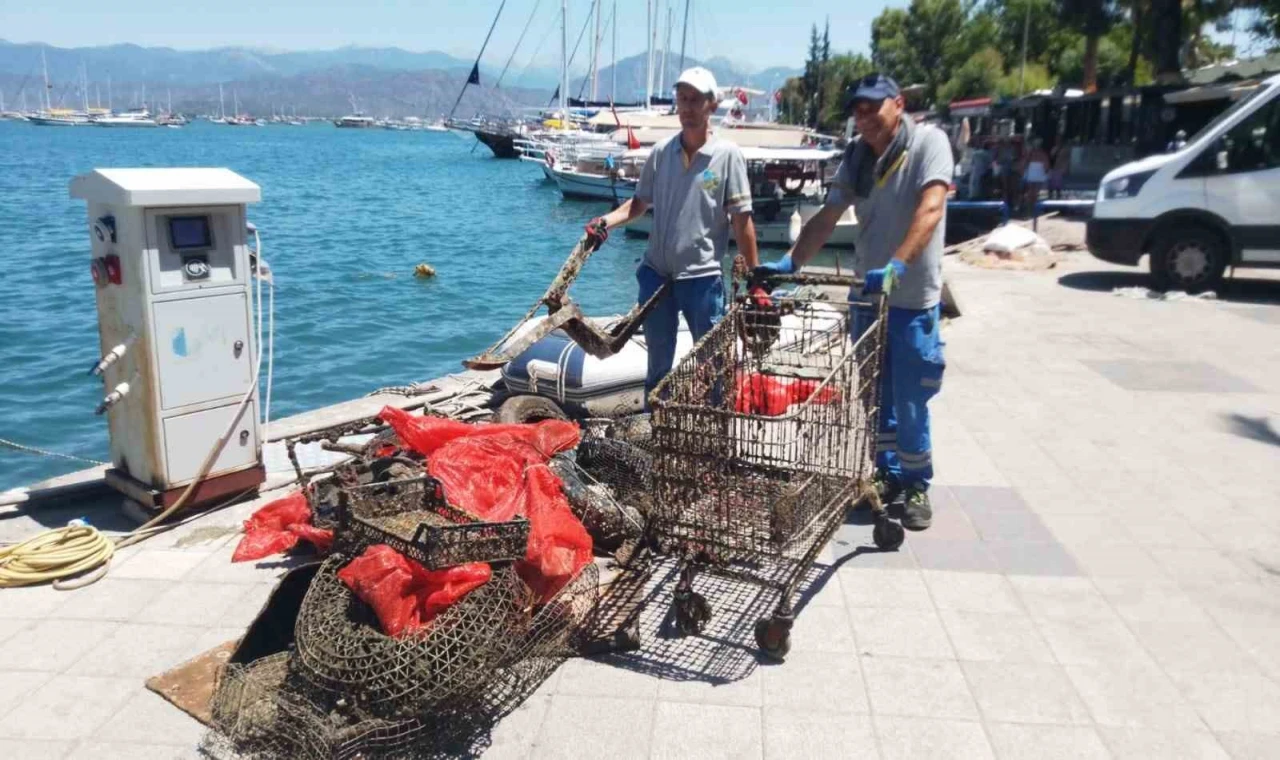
[(923, 43), (978, 77), (838, 75), (891, 50), (812, 71), (1093, 19)]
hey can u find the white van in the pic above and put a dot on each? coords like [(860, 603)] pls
[(1212, 204)]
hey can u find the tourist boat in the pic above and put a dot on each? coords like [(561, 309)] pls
[(133, 118)]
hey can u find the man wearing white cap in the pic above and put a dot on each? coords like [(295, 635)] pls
[(697, 186)]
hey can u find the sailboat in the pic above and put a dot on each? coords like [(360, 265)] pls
[(51, 117)]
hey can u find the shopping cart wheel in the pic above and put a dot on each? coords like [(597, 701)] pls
[(887, 534), (692, 612), (773, 636)]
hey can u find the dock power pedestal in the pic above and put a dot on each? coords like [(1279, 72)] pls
[(172, 272)]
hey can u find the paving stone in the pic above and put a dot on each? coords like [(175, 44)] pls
[(513, 737), (1062, 598), (885, 632), (981, 500), (95, 750), (1243, 701), (926, 739), (1191, 646), (822, 589), (962, 556), (925, 688), (586, 677), (972, 592), (138, 651), (52, 644), (1087, 642), (804, 733), (1175, 377), (745, 692), (31, 602), (1048, 559), (34, 750), (1132, 694), (1144, 600), (1200, 564), (111, 598), (595, 727), (148, 719), (1125, 561), (158, 564), (1246, 746), (67, 708), (1047, 742), (10, 627), (1025, 693), (191, 604), (707, 731), (1143, 743), (18, 685), (980, 637), (822, 629), (817, 682), (886, 588)]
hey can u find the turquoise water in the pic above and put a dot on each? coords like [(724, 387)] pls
[(345, 215)]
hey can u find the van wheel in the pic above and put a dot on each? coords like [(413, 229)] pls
[(1188, 258), (519, 409)]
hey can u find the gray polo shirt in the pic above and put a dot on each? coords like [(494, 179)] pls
[(691, 205), (885, 216)]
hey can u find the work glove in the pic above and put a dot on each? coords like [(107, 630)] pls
[(597, 231), (783, 265), (884, 280)]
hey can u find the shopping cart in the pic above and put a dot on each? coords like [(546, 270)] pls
[(763, 436)]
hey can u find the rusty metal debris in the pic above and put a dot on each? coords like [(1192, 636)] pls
[(564, 314)]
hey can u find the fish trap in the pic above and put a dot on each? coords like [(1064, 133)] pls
[(412, 517)]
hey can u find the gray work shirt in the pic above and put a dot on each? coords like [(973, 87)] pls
[(885, 216), (691, 201)]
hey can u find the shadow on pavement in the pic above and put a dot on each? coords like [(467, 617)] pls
[(1255, 428), (1247, 290)]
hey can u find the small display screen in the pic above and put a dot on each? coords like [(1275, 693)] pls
[(189, 232)]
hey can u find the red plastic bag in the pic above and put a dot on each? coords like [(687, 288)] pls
[(405, 595), (426, 434), (277, 527), (771, 396), (559, 546)]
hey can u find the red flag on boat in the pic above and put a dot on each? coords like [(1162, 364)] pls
[(742, 96), (632, 142)]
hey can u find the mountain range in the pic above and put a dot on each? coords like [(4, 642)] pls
[(382, 81)]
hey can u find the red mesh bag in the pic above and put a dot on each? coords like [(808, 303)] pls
[(277, 527), (405, 595), (772, 396)]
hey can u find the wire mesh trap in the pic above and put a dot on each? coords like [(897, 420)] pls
[(411, 516), (763, 435)]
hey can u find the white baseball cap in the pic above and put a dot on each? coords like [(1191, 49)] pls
[(699, 79)]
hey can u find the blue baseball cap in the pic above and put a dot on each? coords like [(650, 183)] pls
[(875, 86)]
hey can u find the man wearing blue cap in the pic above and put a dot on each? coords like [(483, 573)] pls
[(895, 175)]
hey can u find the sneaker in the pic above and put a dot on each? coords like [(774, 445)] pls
[(887, 486), (917, 512)]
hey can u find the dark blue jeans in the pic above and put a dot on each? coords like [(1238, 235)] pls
[(700, 299)]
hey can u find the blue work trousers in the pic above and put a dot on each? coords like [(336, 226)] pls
[(700, 299), (911, 375)]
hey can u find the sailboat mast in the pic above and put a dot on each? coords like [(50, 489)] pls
[(666, 45), (564, 63), (222, 108), (110, 102), (48, 102), (476, 67), (595, 56), (613, 47), (84, 86), (684, 35), (649, 34)]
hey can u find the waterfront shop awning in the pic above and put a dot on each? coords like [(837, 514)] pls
[(973, 107), (1233, 91)]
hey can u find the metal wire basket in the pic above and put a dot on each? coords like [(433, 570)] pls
[(412, 517), (763, 434), (341, 648)]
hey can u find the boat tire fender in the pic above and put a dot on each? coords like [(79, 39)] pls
[(519, 409)]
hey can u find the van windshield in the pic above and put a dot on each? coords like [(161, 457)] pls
[(1258, 92)]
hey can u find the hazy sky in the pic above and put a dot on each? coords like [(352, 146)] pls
[(749, 31)]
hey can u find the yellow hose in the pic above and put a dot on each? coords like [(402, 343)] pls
[(54, 555)]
